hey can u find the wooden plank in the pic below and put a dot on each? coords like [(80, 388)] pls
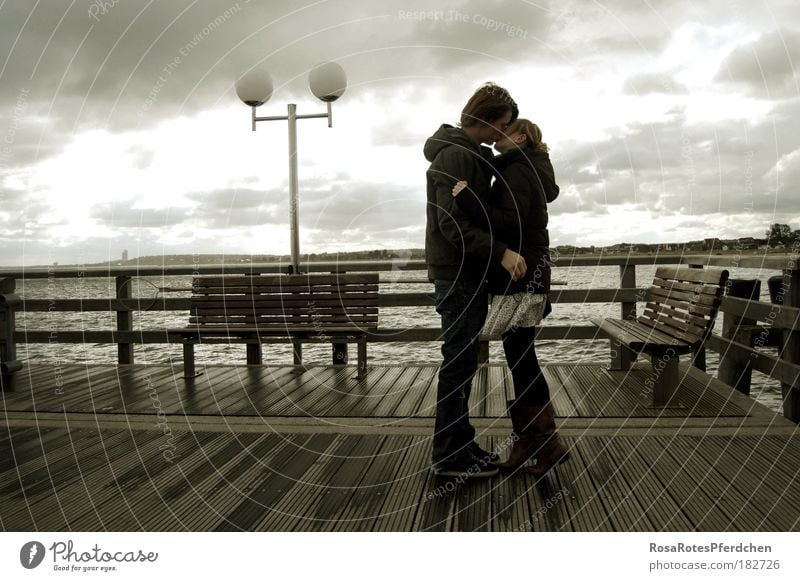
[(262, 382), (778, 316), (636, 334), (221, 493), (366, 504), (55, 467), (437, 504), (543, 495), (407, 400), (755, 479), (185, 495), (660, 507), (687, 316), (199, 393), (686, 292), (304, 400), (296, 507), (343, 482), (278, 478), (276, 329), (17, 444), (296, 279), (708, 275), (404, 495), (282, 388), (473, 509), (476, 402), (568, 395), (665, 323), (576, 492), (147, 507), (623, 510), (770, 365), (260, 301), (57, 511), (658, 294), (737, 509), (364, 397), (497, 376), (510, 505), (136, 484)]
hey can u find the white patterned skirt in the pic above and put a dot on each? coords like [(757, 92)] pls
[(507, 312)]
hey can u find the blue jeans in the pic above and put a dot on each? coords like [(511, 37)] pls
[(463, 310)]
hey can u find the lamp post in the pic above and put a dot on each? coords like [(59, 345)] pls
[(327, 82)]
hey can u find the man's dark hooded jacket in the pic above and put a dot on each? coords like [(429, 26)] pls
[(456, 248)]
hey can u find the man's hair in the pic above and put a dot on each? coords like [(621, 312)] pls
[(487, 104)]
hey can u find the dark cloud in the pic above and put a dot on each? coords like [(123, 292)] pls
[(766, 67), (123, 214), (337, 205), (678, 167)]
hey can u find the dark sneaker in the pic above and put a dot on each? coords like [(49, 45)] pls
[(476, 468), (484, 455)]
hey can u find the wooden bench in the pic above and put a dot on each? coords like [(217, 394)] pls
[(336, 308), (679, 314)]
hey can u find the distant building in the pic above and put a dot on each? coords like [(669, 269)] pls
[(124, 256)]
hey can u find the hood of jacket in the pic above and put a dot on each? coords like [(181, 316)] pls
[(448, 136), (537, 160)]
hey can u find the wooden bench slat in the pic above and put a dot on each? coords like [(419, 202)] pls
[(261, 301), (245, 319), (284, 290), (704, 300), (639, 337), (273, 329), (244, 310), (674, 327), (691, 289), (713, 276), (700, 322), (288, 279), (699, 310)]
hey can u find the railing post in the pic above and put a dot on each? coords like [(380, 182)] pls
[(339, 349), (124, 320), (621, 356), (8, 348), (791, 343), (733, 371)]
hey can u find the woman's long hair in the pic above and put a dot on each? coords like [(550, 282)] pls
[(532, 131)]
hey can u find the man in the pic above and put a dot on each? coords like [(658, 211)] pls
[(459, 254)]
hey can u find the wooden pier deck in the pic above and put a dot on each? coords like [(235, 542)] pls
[(285, 448)]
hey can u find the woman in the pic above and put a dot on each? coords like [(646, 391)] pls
[(517, 215)]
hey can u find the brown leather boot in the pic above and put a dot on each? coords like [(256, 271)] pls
[(524, 442), (548, 449)]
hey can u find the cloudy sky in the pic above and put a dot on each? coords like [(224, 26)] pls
[(120, 127)]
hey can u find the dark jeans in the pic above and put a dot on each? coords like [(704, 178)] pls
[(463, 311), (530, 386)]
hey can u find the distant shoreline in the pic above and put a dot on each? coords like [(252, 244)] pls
[(403, 254)]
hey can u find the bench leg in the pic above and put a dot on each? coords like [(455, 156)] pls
[(362, 358), (665, 378), (340, 353), (254, 354), (189, 370), (297, 352), (621, 357)]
